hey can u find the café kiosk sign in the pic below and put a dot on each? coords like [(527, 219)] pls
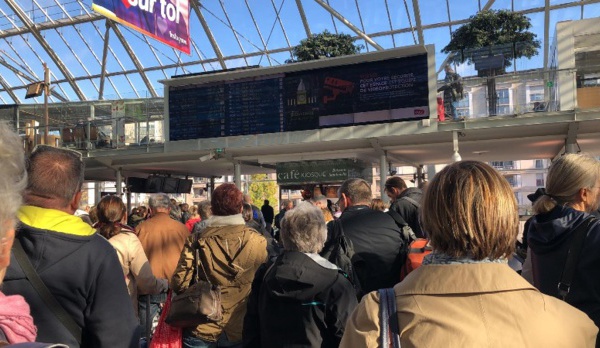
[(316, 172)]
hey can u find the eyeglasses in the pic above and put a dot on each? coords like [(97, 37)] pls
[(46, 148)]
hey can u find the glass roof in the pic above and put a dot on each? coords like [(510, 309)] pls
[(74, 41)]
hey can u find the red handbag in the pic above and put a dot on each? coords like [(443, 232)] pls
[(166, 336)]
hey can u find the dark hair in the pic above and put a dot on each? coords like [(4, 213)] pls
[(55, 173), (247, 212), (226, 200), (358, 190), (395, 182), (110, 213)]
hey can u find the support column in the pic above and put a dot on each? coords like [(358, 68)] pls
[(119, 185), (383, 170), (237, 170), (128, 196), (419, 175), (97, 191), (212, 188)]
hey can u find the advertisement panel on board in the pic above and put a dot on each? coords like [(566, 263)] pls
[(164, 20)]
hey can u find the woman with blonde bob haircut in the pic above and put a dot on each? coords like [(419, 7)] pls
[(465, 294), (571, 193)]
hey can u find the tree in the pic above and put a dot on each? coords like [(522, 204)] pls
[(324, 45), (493, 34), (260, 188)]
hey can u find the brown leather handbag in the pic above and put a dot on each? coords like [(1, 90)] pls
[(199, 304)]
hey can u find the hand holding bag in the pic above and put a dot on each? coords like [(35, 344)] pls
[(199, 304)]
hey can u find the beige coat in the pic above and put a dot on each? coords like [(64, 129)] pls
[(136, 268), (472, 305), (162, 239), (231, 253)]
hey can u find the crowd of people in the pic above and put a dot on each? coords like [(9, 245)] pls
[(307, 276)]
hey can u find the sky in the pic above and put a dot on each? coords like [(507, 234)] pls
[(234, 25)]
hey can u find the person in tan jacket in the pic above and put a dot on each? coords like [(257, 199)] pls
[(162, 239), (230, 253), (136, 268), (465, 294)]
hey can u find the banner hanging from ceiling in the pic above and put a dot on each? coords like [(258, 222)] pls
[(167, 21)]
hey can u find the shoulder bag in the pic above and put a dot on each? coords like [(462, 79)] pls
[(199, 304)]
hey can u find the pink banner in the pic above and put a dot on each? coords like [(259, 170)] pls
[(167, 21)]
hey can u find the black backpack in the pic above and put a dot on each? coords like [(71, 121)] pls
[(339, 250)]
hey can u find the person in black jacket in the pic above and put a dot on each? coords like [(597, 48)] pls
[(572, 193), (300, 299), (406, 202), (79, 267), (376, 238), (269, 215)]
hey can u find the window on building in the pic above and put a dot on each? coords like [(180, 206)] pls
[(539, 164), (536, 98), (463, 107), (503, 164), (513, 180), (503, 103), (539, 180)]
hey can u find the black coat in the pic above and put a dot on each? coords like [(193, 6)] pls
[(377, 240), (85, 276), (268, 214), (549, 239), (299, 303), (408, 211)]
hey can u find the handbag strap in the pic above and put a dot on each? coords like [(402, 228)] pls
[(388, 319), (577, 243), (38, 284), (199, 261)]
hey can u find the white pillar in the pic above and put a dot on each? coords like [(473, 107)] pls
[(383, 171)]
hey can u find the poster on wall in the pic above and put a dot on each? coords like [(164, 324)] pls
[(164, 20)]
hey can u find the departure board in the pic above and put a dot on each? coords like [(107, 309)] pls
[(372, 92)]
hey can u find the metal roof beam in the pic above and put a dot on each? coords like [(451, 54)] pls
[(9, 90), (546, 32), (52, 25), (418, 22), (61, 66), (134, 59), (30, 79), (209, 34), (349, 25), (103, 66), (303, 17)]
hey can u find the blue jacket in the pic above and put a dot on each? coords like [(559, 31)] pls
[(81, 269), (549, 238)]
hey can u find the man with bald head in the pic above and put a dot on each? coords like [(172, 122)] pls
[(79, 267)]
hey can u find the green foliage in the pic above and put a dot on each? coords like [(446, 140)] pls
[(324, 45), (260, 189), (500, 31)]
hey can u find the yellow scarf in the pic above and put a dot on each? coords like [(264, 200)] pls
[(54, 220)]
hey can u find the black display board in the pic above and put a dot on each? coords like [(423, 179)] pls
[(371, 92)]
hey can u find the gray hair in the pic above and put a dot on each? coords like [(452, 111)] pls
[(13, 177), (204, 209), (566, 176), (159, 200), (54, 173), (303, 229), (358, 190)]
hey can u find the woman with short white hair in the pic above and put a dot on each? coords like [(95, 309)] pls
[(299, 299)]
